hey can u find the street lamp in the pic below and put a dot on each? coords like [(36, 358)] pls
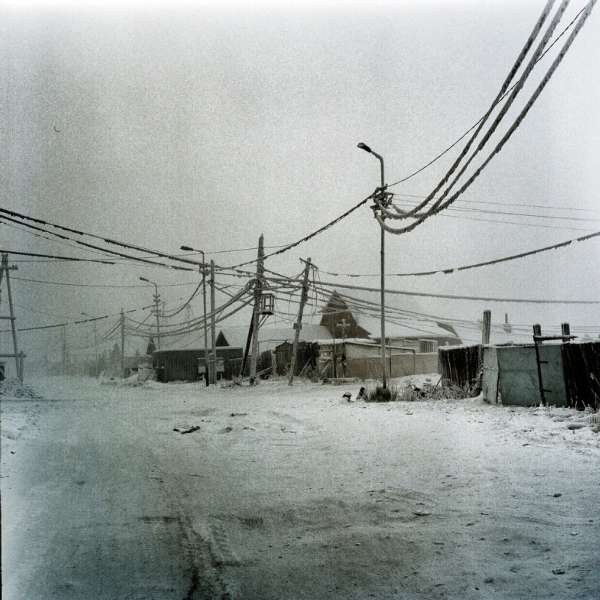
[(366, 148), (156, 309), (95, 343), (190, 249)]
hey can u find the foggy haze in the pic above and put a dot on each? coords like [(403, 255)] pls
[(208, 126)]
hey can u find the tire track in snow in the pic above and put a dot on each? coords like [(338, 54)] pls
[(205, 544)]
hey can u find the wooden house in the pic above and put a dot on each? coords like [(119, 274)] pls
[(357, 316)]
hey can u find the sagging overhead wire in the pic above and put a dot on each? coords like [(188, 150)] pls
[(487, 211), (76, 322), (198, 326), (331, 284), (486, 263), (372, 309), (468, 131), (445, 214), (439, 205), (54, 256), (87, 245), (93, 285), (68, 244), (169, 330), (505, 204), (306, 237), (511, 98), (185, 304), (395, 315), (106, 240)]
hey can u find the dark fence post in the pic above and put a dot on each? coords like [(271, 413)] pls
[(537, 333)]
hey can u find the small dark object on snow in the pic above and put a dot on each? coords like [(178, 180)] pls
[(234, 414), (575, 426), (347, 396), (188, 430), (557, 495), (558, 571), (362, 394)]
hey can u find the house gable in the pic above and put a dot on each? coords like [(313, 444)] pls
[(221, 340), (339, 320)]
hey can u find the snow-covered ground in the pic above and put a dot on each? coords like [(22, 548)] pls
[(283, 492)]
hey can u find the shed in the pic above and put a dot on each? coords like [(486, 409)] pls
[(357, 357), (306, 357), (187, 364)]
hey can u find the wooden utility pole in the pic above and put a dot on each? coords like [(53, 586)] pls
[(298, 323), (487, 326), (213, 356), (247, 347), (258, 287), (205, 321), (18, 356), (157, 313), (122, 344)]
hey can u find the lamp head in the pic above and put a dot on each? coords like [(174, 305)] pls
[(364, 147)]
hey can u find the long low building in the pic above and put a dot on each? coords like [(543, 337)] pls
[(187, 364), (357, 357)]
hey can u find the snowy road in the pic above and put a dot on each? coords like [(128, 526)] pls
[(291, 493)]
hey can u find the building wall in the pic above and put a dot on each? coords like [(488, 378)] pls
[(518, 382), (182, 365), (399, 365)]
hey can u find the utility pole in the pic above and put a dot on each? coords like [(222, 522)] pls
[(487, 326), (380, 198), (258, 287), (213, 358), (156, 298), (95, 323), (157, 312), (298, 323), (205, 323), (122, 344), (190, 249), (18, 356)]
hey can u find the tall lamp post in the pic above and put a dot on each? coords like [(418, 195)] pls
[(95, 343), (366, 148), (156, 309), (190, 249)]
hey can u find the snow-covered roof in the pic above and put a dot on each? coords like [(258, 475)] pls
[(405, 327), (472, 335), (411, 322), (270, 337)]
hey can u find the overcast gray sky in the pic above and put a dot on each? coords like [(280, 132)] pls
[(169, 124)]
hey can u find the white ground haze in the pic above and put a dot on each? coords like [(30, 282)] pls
[(293, 493)]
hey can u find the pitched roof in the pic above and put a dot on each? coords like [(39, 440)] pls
[(405, 320), (269, 337)]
